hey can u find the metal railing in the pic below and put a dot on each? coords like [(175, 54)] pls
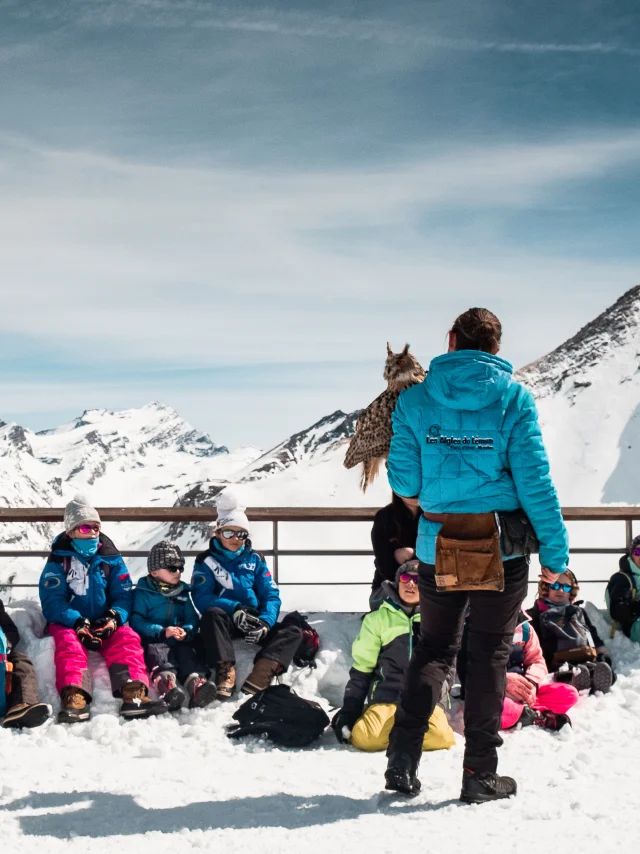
[(276, 515)]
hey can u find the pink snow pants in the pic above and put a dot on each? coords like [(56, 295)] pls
[(555, 697), (122, 653)]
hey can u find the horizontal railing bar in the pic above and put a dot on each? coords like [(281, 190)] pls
[(288, 552), (332, 583), (270, 514)]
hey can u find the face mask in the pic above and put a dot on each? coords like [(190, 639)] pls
[(86, 548), (228, 552)]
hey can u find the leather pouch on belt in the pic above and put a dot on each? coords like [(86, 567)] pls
[(578, 655), (468, 553)]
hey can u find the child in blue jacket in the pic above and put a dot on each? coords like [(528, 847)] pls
[(233, 589), (164, 617), (86, 597)]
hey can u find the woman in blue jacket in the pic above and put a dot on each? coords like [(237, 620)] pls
[(234, 591), (466, 446)]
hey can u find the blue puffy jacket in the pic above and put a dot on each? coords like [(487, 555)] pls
[(73, 586), (153, 611), (224, 581), (467, 440)]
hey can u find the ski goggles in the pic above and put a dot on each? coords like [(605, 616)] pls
[(406, 577), (566, 588), (89, 529), (174, 568), (228, 534)]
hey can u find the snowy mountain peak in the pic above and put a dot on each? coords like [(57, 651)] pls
[(305, 445), (613, 336)]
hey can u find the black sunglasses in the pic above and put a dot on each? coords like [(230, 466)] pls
[(174, 568), (228, 534)]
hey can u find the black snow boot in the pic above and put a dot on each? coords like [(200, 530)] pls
[(137, 704), (25, 716), (168, 690), (601, 677), (552, 720), (401, 774), (481, 788)]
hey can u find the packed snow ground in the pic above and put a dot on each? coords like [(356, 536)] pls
[(177, 784)]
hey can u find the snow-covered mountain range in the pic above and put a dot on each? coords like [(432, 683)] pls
[(588, 392)]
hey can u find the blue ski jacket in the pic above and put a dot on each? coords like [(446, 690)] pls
[(153, 611), (467, 440), (224, 581), (73, 586)]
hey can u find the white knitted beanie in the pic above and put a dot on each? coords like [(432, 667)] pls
[(230, 512), (77, 511)]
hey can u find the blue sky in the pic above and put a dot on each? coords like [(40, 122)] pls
[(232, 207)]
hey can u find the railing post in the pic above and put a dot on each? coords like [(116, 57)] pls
[(275, 550), (628, 525)]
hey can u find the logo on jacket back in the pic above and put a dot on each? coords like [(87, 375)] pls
[(219, 573), (465, 443)]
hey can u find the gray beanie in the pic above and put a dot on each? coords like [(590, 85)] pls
[(408, 566), (77, 511), (164, 555)]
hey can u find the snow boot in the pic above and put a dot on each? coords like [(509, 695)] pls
[(601, 677), (581, 678), (201, 691), (264, 671), (225, 679), (551, 720), (26, 716), (482, 788), (527, 718), (168, 690), (74, 706), (402, 774), (137, 704)]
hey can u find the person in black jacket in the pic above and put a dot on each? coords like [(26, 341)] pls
[(393, 537), (23, 706), (572, 648), (622, 593)]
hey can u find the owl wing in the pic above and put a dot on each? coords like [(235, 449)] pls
[(373, 431)]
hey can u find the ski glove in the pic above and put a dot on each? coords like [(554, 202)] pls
[(82, 628), (343, 722), (257, 634), (105, 626), (246, 620)]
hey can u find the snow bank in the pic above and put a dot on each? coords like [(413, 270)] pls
[(178, 784)]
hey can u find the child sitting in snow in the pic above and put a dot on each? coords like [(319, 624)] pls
[(19, 703), (86, 597), (572, 648), (381, 654), (530, 697), (166, 620), (237, 597)]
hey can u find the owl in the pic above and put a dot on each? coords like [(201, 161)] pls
[(370, 445)]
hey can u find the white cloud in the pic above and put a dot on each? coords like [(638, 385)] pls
[(221, 265)]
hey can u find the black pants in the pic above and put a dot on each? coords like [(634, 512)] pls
[(183, 659), (24, 687), (491, 624), (218, 630)]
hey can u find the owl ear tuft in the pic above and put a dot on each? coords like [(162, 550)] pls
[(389, 350), (406, 350)]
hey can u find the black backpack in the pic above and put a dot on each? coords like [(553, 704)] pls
[(279, 714), (310, 643)]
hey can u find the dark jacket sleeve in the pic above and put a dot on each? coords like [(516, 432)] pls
[(548, 645), (9, 628), (597, 640), (622, 606), (383, 550)]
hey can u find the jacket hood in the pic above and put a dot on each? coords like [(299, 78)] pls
[(63, 545), (468, 379), (628, 566), (393, 600)]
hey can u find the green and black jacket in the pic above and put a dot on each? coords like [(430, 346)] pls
[(381, 653)]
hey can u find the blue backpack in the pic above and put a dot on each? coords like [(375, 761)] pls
[(4, 654)]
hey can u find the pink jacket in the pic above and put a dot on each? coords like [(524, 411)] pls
[(533, 662)]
